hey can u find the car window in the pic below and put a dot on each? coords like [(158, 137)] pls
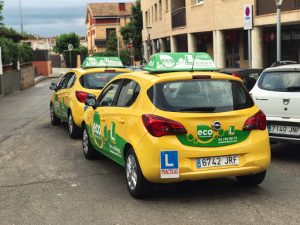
[(71, 80), (64, 81), (280, 81), (128, 94), (97, 80), (109, 94), (200, 96)]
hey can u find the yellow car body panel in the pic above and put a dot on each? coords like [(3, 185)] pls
[(253, 152), (65, 100)]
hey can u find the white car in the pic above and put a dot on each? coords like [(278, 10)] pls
[(277, 93)]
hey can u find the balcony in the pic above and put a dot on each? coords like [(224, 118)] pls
[(269, 6), (101, 43), (179, 18)]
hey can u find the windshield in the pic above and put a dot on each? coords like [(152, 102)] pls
[(200, 96), (96, 80), (280, 81)]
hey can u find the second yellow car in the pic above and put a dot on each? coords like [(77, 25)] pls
[(67, 101)]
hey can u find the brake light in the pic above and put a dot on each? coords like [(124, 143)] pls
[(109, 71), (201, 77), (235, 75), (256, 122), (158, 126), (81, 96)]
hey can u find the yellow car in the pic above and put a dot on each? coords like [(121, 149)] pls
[(67, 101), (166, 126)]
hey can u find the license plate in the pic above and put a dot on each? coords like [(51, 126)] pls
[(218, 161), (286, 130)]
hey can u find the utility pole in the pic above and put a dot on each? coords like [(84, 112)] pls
[(278, 11), (21, 16)]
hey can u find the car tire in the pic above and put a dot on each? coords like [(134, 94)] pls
[(251, 180), (55, 121), (88, 150), (137, 185), (74, 131)]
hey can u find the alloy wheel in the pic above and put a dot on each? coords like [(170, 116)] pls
[(131, 172)]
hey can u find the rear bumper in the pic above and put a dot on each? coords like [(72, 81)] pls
[(285, 122), (254, 157), (284, 139)]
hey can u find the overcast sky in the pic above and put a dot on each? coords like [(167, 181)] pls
[(49, 18)]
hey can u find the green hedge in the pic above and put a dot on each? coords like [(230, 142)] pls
[(82, 51), (12, 52)]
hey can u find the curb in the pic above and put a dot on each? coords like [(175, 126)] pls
[(39, 79)]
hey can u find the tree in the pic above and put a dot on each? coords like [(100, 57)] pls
[(111, 44), (63, 40), (133, 30), (1, 8)]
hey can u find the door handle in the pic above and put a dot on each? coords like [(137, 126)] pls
[(121, 121)]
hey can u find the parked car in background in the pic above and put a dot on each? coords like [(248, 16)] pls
[(283, 62), (249, 76), (277, 93)]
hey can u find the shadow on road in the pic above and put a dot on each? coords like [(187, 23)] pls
[(286, 152)]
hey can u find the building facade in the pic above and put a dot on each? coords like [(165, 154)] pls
[(101, 20), (217, 27)]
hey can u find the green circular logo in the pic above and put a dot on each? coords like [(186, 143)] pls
[(205, 133)]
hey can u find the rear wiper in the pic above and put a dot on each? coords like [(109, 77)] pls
[(293, 88), (198, 109)]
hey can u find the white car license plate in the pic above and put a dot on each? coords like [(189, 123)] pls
[(287, 130), (218, 161)]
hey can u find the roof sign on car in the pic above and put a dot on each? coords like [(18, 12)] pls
[(181, 61), (102, 62)]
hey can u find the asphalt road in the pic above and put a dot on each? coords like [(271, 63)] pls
[(45, 179)]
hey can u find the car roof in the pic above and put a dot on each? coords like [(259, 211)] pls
[(171, 76), (290, 67), (82, 71)]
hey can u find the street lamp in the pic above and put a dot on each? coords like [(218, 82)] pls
[(21, 16), (148, 42), (278, 11)]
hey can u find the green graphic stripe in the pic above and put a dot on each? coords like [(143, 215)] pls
[(216, 141)]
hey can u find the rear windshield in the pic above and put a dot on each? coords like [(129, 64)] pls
[(200, 96), (96, 80), (280, 81)]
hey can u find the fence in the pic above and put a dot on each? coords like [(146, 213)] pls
[(13, 80)]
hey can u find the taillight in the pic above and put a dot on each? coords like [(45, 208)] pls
[(235, 75), (81, 96), (256, 122), (158, 126)]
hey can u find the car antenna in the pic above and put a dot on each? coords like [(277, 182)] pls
[(195, 54)]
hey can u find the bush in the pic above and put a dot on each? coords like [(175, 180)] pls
[(25, 53), (10, 51), (82, 51)]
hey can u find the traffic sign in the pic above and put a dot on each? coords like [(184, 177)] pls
[(129, 45), (248, 17), (70, 47)]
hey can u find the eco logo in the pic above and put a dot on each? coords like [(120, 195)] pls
[(93, 62), (167, 61), (97, 129), (205, 133)]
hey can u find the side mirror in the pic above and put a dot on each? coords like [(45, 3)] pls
[(53, 86), (91, 101)]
